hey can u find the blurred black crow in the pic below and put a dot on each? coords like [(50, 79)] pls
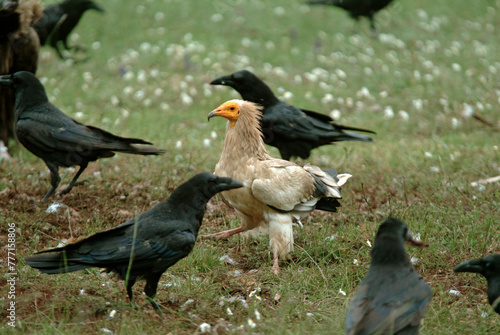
[(489, 267), (145, 246), (58, 139), (19, 48), (60, 19), (295, 132), (357, 8), (393, 298)]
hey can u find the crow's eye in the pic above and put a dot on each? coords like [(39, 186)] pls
[(488, 265)]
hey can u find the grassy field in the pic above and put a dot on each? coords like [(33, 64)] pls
[(434, 65)]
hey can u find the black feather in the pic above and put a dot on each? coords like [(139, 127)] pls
[(154, 240), (489, 267), (58, 139), (293, 131), (59, 20), (357, 8), (393, 298)]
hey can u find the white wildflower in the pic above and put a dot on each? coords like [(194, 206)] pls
[(327, 98), (186, 99), (158, 91), (159, 16), (128, 90), (251, 323), (164, 106), (115, 101), (139, 95), (287, 95), (404, 115), (335, 114), (128, 75), (417, 104), (456, 67), (279, 11), (388, 112)]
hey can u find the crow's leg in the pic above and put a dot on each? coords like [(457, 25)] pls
[(74, 182), (130, 283), (150, 290), (373, 29), (54, 180), (225, 233), (58, 50)]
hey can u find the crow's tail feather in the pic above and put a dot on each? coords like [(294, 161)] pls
[(54, 262)]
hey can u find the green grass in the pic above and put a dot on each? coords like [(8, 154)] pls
[(420, 167)]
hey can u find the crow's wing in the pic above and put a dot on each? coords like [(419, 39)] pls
[(113, 248), (51, 130), (291, 123)]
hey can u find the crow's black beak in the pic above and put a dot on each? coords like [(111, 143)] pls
[(6, 80), (224, 80), (228, 183), (474, 265)]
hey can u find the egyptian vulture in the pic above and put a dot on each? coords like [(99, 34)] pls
[(275, 191)]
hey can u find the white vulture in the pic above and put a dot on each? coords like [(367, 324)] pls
[(275, 190)]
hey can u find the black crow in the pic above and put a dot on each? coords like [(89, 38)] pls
[(58, 139), (393, 298), (60, 19), (19, 48), (295, 132), (145, 246), (489, 267), (357, 8)]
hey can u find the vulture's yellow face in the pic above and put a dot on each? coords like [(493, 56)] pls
[(231, 110)]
